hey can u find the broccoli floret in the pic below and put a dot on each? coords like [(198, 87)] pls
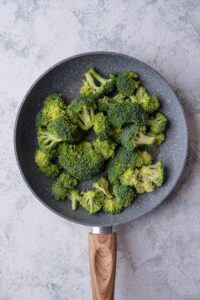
[(103, 186), (146, 158), (74, 196), (129, 177), (103, 103), (125, 194), (43, 161), (101, 126), (52, 170), (123, 160), (127, 83), (153, 173), (81, 161), (112, 206), (95, 85), (115, 134), (62, 185), (54, 107), (106, 148), (124, 113), (92, 201), (159, 138), (81, 112), (48, 140), (67, 132), (149, 103), (134, 136), (157, 123)]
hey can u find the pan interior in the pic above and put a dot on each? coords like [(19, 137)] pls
[(66, 77)]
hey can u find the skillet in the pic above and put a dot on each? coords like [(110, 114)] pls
[(66, 77)]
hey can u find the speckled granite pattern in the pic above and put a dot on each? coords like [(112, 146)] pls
[(41, 255)]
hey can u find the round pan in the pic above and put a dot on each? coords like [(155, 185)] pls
[(66, 77)]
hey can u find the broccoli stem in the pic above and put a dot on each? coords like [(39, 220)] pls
[(143, 139), (97, 76), (90, 80)]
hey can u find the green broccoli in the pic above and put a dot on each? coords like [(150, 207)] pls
[(122, 160), (112, 206), (81, 112), (129, 177), (62, 185), (64, 130), (157, 123), (120, 114), (115, 134), (149, 177), (54, 107), (103, 103), (101, 126), (125, 194), (39, 120), (52, 170), (103, 186), (134, 136), (81, 161), (127, 83), (159, 138), (145, 157), (95, 85), (92, 200), (47, 140), (74, 196), (149, 103), (43, 161), (106, 148)]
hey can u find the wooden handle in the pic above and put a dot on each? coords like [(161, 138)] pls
[(102, 257)]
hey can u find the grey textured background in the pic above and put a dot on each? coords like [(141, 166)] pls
[(41, 255)]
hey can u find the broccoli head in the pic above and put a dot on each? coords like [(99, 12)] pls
[(95, 85), (146, 158), (103, 186), (81, 161), (149, 103), (153, 173), (43, 161), (159, 138), (63, 129), (81, 112), (125, 194), (120, 114), (101, 126), (123, 160), (157, 123), (129, 177), (127, 83), (92, 200), (103, 103), (106, 148), (62, 185), (134, 136), (54, 107), (115, 134), (48, 140), (112, 206), (74, 196)]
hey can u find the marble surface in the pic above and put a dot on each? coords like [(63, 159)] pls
[(41, 255)]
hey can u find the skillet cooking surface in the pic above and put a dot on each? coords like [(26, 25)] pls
[(66, 77)]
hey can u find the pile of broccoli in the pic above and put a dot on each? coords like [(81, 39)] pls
[(125, 121)]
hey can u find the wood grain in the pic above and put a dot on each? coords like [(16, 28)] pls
[(102, 257)]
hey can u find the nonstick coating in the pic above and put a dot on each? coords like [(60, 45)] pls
[(66, 77)]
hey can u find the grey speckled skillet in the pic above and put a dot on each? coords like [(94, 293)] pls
[(66, 77)]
